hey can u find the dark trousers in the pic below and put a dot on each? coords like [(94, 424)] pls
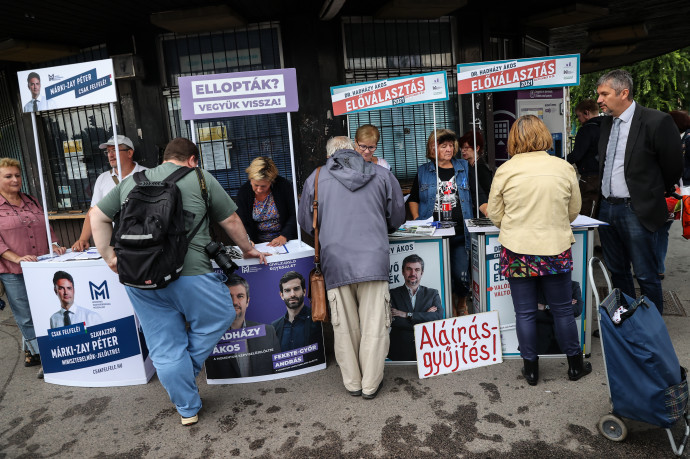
[(557, 289), (624, 242)]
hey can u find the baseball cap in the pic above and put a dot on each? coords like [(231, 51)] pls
[(121, 140)]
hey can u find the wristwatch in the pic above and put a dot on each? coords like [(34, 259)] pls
[(409, 315)]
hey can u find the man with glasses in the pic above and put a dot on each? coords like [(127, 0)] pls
[(107, 180)]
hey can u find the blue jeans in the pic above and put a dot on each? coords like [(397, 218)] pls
[(179, 353), (624, 242), (558, 291), (459, 264), (662, 245), (19, 303)]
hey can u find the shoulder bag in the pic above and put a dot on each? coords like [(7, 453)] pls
[(317, 284)]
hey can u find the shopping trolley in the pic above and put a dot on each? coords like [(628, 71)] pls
[(645, 380)]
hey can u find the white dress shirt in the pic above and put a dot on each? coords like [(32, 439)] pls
[(76, 315), (619, 189), (42, 105)]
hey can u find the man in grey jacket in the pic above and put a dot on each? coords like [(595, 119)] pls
[(360, 203)]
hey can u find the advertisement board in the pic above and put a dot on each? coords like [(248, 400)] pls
[(457, 344), (391, 92), (510, 75), (273, 335), (415, 264), (224, 95), (87, 332), (498, 296), (65, 86)]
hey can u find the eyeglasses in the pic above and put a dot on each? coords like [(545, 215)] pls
[(365, 147), (113, 151)]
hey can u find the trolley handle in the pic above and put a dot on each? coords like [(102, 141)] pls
[(590, 273)]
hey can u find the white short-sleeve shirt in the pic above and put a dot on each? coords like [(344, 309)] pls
[(105, 183)]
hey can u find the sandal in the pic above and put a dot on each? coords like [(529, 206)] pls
[(30, 359)]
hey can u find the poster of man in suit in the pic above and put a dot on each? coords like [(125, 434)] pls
[(411, 302)]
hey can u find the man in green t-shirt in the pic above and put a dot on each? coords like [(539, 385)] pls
[(198, 297)]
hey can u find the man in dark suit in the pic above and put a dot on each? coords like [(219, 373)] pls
[(639, 159), (258, 342), (411, 304)]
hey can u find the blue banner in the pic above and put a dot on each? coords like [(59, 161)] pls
[(87, 347), (82, 84)]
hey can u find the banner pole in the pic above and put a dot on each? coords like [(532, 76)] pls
[(41, 182), (438, 200), (113, 120), (565, 124), (294, 176), (192, 131), (476, 166)]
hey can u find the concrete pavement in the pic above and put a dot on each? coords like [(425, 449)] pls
[(485, 412)]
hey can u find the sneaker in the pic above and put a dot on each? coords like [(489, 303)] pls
[(40, 373), (189, 421), (355, 393)]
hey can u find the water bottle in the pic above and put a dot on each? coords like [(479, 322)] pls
[(446, 206)]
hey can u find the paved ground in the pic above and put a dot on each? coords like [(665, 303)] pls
[(486, 412)]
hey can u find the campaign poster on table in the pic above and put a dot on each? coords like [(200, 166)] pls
[(223, 95), (415, 264), (457, 344), (87, 332), (65, 86), (514, 74), (498, 298), (391, 92), (273, 335)]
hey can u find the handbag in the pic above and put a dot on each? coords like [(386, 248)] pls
[(317, 284)]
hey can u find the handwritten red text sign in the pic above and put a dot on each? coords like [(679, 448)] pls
[(457, 344)]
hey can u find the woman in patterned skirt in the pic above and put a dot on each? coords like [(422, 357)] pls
[(534, 198)]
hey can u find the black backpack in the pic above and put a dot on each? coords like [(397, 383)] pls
[(150, 237)]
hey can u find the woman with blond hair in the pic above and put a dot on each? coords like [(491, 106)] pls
[(534, 197), (425, 201), (266, 204), (366, 138), (22, 239)]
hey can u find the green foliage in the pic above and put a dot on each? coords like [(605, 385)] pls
[(661, 82)]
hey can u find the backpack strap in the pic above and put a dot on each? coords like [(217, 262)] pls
[(204, 194), (139, 177), (178, 174)]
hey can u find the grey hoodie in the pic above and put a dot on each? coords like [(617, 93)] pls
[(360, 203)]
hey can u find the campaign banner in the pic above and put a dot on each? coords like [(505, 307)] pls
[(510, 75), (65, 86), (85, 325), (273, 335), (499, 299), (458, 344), (417, 265), (391, 92), (224, 95)]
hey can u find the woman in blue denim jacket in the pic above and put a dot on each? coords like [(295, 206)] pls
[(453, 177)]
